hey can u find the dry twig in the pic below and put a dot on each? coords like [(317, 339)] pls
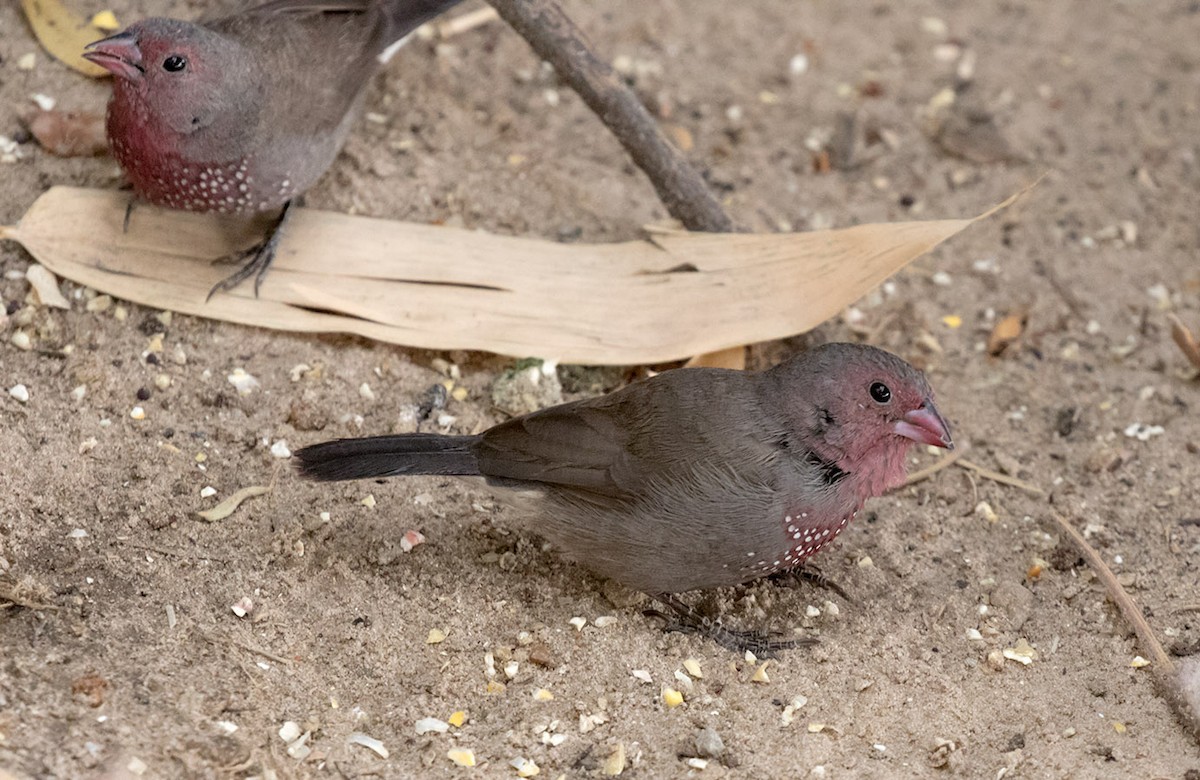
[(556, 39)]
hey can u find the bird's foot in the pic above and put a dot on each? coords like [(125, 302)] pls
[(811, 575), (685, 619), (255, 261)]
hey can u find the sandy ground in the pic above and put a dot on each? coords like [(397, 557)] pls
[(100, 543)]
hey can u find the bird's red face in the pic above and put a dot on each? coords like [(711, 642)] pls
[(170, 73), (158, 53), (867, 409)]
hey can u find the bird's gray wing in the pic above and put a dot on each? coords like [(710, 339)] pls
[(614, 448), (320, 55)]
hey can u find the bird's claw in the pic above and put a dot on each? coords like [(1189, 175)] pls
[(814, 576), (257, 259), (686, 620)]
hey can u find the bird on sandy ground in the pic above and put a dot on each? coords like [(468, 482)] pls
[(694, 478), (243, 113)]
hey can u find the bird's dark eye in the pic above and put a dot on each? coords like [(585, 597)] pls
[(881, 393), (174, 63)]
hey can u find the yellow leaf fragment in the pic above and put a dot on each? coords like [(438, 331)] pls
[(461, 756), (614, 764), (542, 694), (457, 718), (107, 21), (1138, 662), (692, 667), (1022, 653), (230, 505), (436, 636), (760, 674), (64, 34), (1006, 331), (952, 321), (672, 698)]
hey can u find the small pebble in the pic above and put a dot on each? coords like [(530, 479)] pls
[(370, 743), (789, 711), (243, 382), (137, 413), (365, 391), (696, 763), (208, 491), (27, 61), (19, 392), (1143, 432), (280, 449), (100, 303), (578, 622), (984, 510), (708, 743), (524, 766), (436, 636), (410, 540), (431, 725), (692, 666)]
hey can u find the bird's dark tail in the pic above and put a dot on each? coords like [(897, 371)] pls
[(389, 456)]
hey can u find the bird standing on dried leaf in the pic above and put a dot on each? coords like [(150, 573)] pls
[(242, 114), (695, 478)]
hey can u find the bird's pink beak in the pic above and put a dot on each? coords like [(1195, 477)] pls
[(118, 54), (926, 426)]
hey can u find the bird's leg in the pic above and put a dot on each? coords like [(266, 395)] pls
[(258, 257), (128, 206), (811, 575), (687, 620)]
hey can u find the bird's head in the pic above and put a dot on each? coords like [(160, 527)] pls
[(176, 74), (861, 408)]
